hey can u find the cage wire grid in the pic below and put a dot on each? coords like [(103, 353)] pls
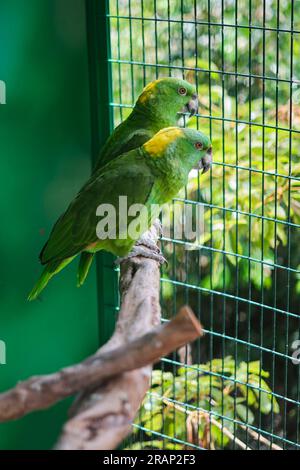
[(238, 387)]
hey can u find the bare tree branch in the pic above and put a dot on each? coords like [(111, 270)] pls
[(113, 381), (102, 417), (43, 391)]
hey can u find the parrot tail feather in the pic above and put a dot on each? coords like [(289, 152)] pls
[(52, 268), (85, 262)]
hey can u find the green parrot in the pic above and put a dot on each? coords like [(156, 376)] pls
[(150, 175), (160, 105)]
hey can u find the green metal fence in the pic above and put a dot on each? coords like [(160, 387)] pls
[(240, 386)]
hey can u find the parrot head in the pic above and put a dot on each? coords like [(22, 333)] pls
[(201, 147), (166, 99), (180, 147)]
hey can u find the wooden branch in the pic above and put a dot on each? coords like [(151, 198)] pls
[(43, 391), (102, 417), (112, 382)]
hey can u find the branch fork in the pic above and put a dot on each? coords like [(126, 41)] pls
[(111, 383)]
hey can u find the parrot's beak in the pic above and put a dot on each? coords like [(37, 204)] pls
[(192, 105), (205, 162)]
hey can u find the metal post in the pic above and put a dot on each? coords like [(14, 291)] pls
[(100, 78)]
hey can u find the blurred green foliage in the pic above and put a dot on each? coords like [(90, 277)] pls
[(204, 404), (259, 198), (242, 275)]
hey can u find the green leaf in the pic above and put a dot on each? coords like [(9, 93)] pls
[(156, 444), (154, 423), (245, 414)]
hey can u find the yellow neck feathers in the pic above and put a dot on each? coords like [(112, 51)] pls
[(156, 146)]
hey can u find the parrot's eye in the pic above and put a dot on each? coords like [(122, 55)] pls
[(198, 146), (182, 91)]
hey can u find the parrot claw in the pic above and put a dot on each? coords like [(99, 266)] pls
[(139, 250), (158, 225), (146, 246), (149, 238), (149, 244)]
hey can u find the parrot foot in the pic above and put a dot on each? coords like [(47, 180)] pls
[(139, 250), (158, 226), (149, 244), (149, 238)]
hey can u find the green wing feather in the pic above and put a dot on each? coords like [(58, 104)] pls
[(128, 175), (117, 144), (85, 263), (50, 270), (121, 142)]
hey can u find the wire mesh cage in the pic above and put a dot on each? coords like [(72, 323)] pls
[(239, 387)]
